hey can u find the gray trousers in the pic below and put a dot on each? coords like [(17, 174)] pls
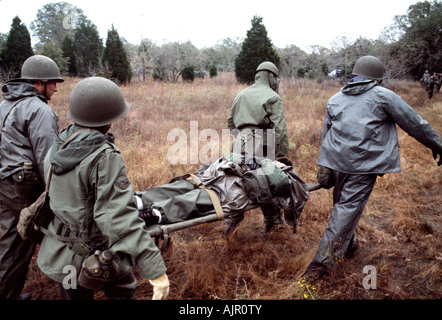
[(177, 201), (350, 195), (15, 253)]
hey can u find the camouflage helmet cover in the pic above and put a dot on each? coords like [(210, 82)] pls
[(41, 68), (96, 102)]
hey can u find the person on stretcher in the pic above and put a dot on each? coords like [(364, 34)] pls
[(239, 182)]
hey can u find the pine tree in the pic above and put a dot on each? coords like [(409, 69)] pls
[(256, 48), (213, 70), (88, 48), (16, 49), (188, 73), (115, 59), (68, 52)]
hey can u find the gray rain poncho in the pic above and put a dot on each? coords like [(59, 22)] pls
[(28, 130), (359, 134), (359, 142)]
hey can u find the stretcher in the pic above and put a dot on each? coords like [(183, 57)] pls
[(162, 231)]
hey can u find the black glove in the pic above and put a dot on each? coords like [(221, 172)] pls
[(254, 165), (148, 216)]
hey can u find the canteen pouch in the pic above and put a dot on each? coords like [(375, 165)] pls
[(27, 185), (103, 268)]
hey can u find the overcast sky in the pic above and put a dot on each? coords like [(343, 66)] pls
[(204, 23)]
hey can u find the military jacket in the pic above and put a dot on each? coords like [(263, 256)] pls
[(359, 133), (91, 194), (29, 129), (261, 106)]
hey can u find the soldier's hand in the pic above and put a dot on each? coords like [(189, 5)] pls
[(437, 153), (160, 287)]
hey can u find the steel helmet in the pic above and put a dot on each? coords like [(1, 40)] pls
[(40, 68), (96, 102), (268, 66), (370, 67)]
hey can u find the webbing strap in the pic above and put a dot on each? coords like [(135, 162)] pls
[(7, 114), (48, 181), (61, 238), (212, 194)]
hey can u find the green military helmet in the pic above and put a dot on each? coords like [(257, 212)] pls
[(268, 66), (40, 68), (96, 102), (370, 67)]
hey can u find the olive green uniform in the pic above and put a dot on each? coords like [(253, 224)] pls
[(260, 107), (257, 116), (92, 197)]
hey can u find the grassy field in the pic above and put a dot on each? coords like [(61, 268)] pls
[(399, 232)]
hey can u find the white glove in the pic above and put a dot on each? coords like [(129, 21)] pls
[(160, 287)]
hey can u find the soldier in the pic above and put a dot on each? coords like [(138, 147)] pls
[(439, 82), (92, 200), (424, 80), (432, 85), (28, 127), (257, 119), (359, 142)]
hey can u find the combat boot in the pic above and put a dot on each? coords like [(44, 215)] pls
[(352, 248), (315, 270)]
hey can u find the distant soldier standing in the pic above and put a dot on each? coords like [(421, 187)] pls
[(257, 119), (424, 80), (432, 85), (28, 128)]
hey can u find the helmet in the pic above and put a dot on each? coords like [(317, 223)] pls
[(95, 102), (370, 67), (268, 66), (40, 68)]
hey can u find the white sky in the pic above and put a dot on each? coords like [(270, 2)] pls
[(288, 22)]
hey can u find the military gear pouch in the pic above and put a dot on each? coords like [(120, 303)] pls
[(265, 182), (257, 186), (102, 269), (37, 215), (27, 185)]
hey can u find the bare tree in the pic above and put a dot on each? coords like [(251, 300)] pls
[(170, 59)]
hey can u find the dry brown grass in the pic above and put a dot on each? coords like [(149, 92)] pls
[(400, 230)]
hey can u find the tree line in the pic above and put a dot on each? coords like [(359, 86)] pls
[(408, 47)]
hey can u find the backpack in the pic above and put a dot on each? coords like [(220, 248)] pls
[(257, 186), (265, 182)]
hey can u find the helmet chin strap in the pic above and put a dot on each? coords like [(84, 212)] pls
[(45, 91)]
